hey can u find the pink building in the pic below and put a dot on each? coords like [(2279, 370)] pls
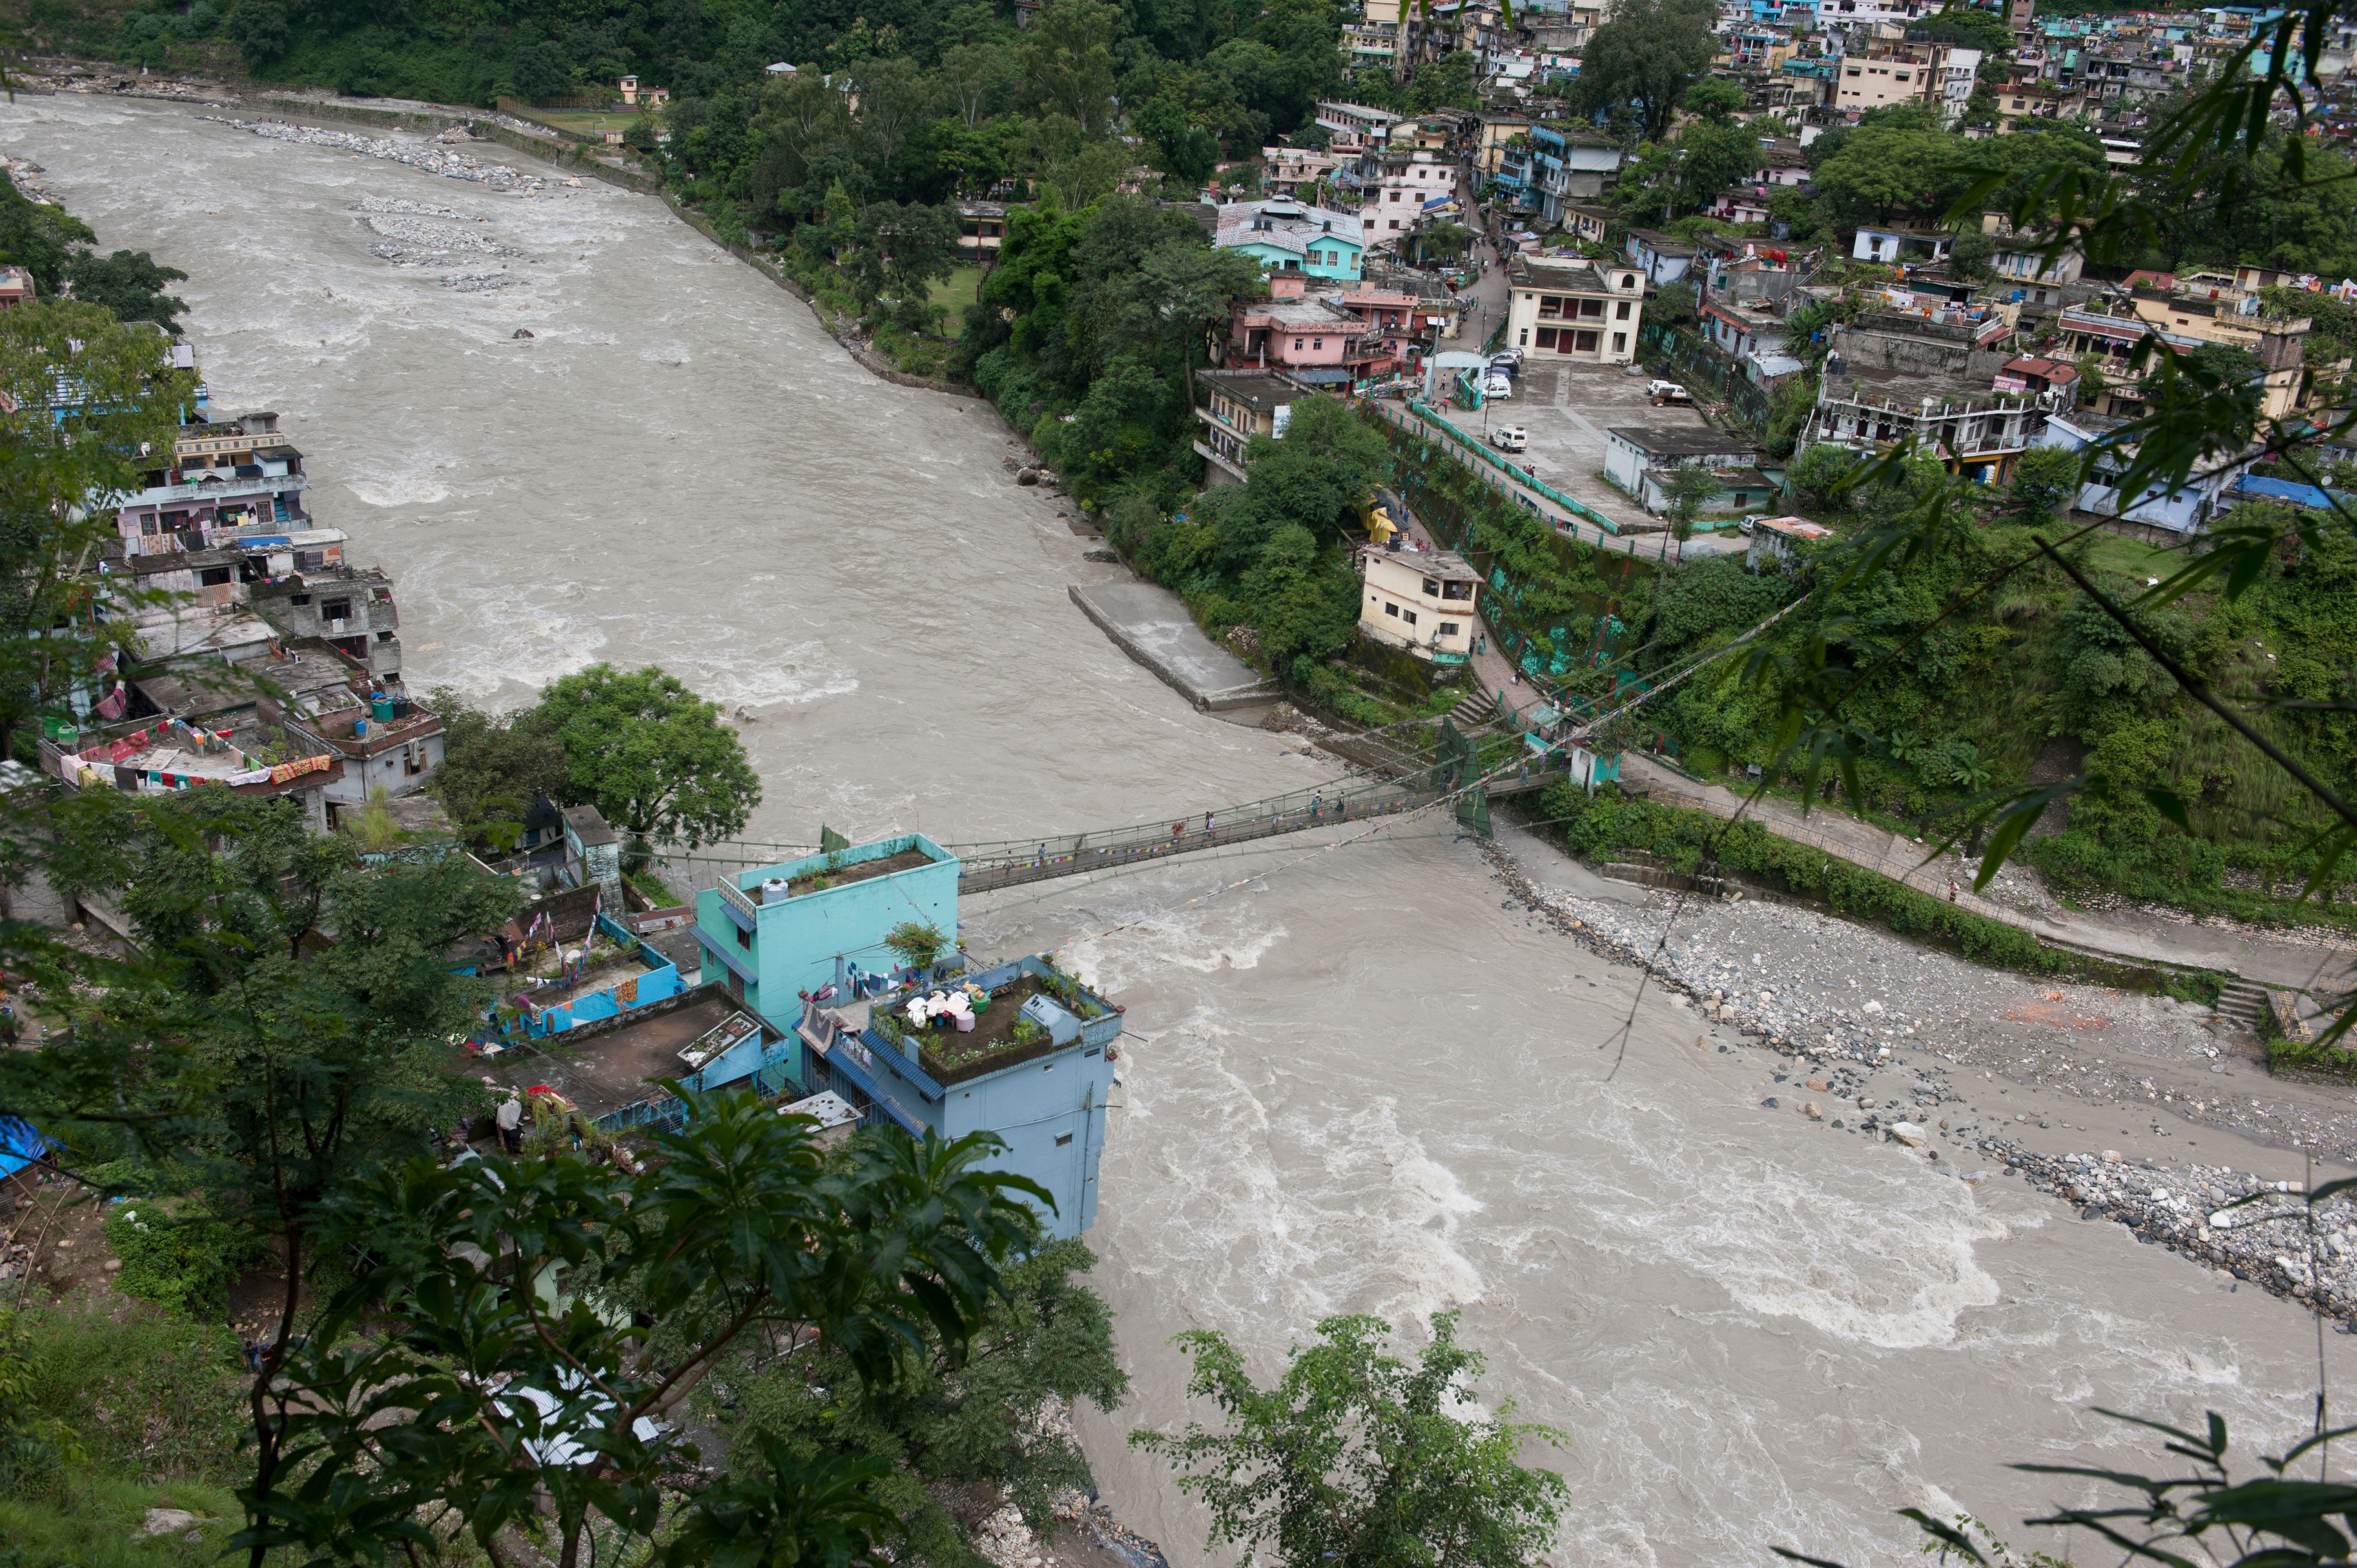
[(1290, 331)]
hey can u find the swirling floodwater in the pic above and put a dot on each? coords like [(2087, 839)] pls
[(1361, 1082)]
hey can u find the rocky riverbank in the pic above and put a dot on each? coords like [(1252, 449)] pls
[(436, 156), (1985, 1072)]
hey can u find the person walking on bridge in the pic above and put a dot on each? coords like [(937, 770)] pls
[(1210, 822)]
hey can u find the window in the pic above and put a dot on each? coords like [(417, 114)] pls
[(1550, 307), (335, 609), (1431, 589), (1394, 222), (1390, 609), (1591, 310), (1296, 342), (1548, 337), (1525, 341), (1619, 342), (1854, 72), (1621, 314), (1459, 590), (1062, 1139), (212, 577), (744, 937), (1447, 629), (1409, 615), (1628, 280), (1317, 342), (1584, 342)]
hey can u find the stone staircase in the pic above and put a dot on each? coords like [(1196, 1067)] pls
[(2243, 1004)]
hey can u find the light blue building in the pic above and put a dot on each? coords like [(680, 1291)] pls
[(1289, 236), (1044, 1095), (774, 933)]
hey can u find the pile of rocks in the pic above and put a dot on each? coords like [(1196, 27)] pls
[(2265, 1232), (432, 158)]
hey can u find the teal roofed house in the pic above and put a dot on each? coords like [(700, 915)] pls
[(1289, 236), (771, 934)]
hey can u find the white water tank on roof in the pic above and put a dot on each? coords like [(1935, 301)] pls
[(773, 890)]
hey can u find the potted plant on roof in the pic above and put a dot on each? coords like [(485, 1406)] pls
[(917, 944)]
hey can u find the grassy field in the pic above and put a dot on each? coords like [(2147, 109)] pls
[(957, 292)]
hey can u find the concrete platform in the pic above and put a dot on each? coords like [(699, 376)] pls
[(1152, 626)]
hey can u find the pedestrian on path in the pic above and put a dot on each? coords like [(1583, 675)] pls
[(1209, 822), (1952, 889), (1317, 807)]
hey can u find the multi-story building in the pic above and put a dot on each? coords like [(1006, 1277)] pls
[(1371, 39), (802, 946), (1407, 185), (351, 609), (2113, 328), (1289, 236), (1043, 1090), (386, 741), (1574, 310), (1314, 339), (812, 926), (1239, 404), (1891, 377), (1880, 74), (1569, 164), (1862, 20), (1423, 601), (223, 479)]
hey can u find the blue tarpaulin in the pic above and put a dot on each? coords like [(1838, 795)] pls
[(21, 1144)]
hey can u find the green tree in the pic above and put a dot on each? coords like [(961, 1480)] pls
[(1714, 155), (2045, 484), (494, 766), (259, 30), (1971, 26), (1687, 486), (948, 1422), (902, 250), (1820, 474), (82, 396), (1714, 98), (1640, 63), (1068, 61), (651, 756), (39, 236), (1357, 1460), (1443, 83), (430, 1388), (1888, 169), (129, 284)]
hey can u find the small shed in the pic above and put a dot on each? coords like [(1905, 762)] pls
[(593, 847)]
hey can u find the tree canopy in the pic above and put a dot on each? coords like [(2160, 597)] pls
[(1639, 65), (651, 756)]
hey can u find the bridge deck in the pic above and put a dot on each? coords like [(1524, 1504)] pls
[(1078, 858)]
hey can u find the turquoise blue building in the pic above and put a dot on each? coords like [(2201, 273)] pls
[(1289, 236), (771, 934), (1044, 1097), (802, 946)]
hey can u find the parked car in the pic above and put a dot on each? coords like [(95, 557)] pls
[(1510, 438), (1507, 356), (1747, 524), (1662, 392), (1499, 387), (1505, 367)]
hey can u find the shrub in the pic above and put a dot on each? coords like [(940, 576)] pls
[(153, 1396), (182, 1261)]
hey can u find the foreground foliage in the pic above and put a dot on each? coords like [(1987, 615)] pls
[(1357, 1458)]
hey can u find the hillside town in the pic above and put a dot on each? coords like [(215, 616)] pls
[(1034, 765)]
